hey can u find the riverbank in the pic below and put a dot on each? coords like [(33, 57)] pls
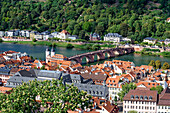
[(164, 54), (46, 43), (64, 44)]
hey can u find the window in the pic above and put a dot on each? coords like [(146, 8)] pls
[(141, 97), (132, 97), (136, 97), (150, 97), (145, 97)]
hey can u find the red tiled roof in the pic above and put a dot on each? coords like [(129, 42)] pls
[(65, 32), (141, 93), (110, 108), (164, 97)]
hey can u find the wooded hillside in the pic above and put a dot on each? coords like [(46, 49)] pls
[(136, 19)]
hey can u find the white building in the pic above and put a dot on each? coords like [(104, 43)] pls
[(38, 36), (167, 41), (163, 105), (114, 87), (11, 33), (142, 101), (73, 37), (126, 39), (25, 33), (113, 37), (55, 34), (63, 34), (46, 37), (2, 33), (150, 40)]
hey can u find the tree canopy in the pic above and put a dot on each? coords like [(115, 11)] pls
[(125, 89), (63, 97), (134, 18), (157, 88)]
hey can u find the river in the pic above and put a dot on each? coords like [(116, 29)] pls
[(38, 51)]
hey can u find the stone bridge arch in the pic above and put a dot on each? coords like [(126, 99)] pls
[(89, 58)]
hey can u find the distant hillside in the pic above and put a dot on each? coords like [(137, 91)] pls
[(136, 19)]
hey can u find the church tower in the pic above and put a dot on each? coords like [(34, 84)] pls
[(47, 54), (52, 52)]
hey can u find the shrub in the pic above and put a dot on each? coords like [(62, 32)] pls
[(69, 46), (34, 40)]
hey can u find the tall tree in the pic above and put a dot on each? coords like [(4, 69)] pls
[(125, 89), (165, 66), (124, 29), (152, 63), (158, 64)]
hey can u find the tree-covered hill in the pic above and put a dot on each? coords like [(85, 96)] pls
[(133, 18)]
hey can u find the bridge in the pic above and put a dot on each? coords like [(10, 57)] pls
[(101, 54)]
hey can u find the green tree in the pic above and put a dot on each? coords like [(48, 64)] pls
[(23, 97), (69, 45), (158, 64), (152, 63), (160, 30), (34, 40), (115, 99), (125, 89), (96, 47), (43, 67), (87, 26), (165, 66), (124, 29), (158, 88), (1, 40)]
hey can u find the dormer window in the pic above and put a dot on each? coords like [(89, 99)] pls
[(141, 97), (132, 97), (136, 97), (145, 97), (148, 83), (150, 97)]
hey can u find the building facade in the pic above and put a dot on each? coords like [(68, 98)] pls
[(113, 37), (142, 101), (94, 37)]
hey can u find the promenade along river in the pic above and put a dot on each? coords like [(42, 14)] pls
[(38, 51)]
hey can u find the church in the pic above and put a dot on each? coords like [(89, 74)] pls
[(51, 56)]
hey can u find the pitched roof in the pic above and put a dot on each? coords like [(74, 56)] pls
[(141, 95), (94, 76), (65, 32), (148, 84), (25, 73), (149, 38), (164, 97), (110, 108)]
